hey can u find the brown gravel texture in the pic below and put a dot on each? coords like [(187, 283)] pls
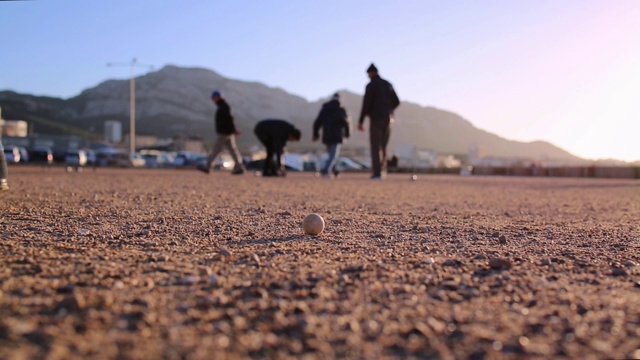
[(175, 264)]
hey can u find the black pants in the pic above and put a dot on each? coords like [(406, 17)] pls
[(272, 167), (3, 164), (379, 134)]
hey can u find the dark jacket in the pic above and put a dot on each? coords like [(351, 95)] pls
[(274, 133), (379, 100), (334, 122), (224, 119)]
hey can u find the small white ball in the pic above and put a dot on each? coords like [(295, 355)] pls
[(414, 177), (313, 224)]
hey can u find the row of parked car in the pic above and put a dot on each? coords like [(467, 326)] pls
[(105, 157), (17, 154), (160, 159)]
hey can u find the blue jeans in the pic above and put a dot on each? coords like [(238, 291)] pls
[(330, 165)]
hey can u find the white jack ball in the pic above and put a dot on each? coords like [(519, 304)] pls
[(313, 224)]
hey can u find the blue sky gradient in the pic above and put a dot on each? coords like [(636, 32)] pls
[(567, 71)]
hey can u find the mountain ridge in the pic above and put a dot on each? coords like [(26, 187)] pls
[(176, 101)]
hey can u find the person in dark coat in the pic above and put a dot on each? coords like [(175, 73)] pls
[(227, 132), (334, 122), (380, 100), (274, 134)]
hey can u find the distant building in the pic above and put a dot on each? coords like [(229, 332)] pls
[(113, 131), (16, 128), (448, 161), (192, 144), (411, 156), (145, 141)]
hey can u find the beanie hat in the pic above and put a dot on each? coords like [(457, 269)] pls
[(335, 96), (215, 93), (372, 68)]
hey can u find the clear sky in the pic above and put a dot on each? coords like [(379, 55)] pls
[(564, 71)]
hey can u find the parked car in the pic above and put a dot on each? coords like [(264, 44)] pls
[(75, 159), (24, 155), (12, 154), (347, 164), (131, 160), (41, 155), (187, 159), (91, 157), (110, 157), (157, 159), (151, 158)]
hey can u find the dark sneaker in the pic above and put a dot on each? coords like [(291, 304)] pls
[(4, 186), (237, 172), (336, 173), (204, 169), (376, 177)]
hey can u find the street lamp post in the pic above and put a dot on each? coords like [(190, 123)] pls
[(132, 100)]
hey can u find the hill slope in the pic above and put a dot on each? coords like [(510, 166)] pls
[(175, 100)]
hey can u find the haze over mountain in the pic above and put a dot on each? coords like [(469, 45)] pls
[(176, 101)]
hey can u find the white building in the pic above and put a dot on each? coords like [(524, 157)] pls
[(113, 131), (414, 157), (17, 128)]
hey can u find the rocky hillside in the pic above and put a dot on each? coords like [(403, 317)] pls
[(175, 101)]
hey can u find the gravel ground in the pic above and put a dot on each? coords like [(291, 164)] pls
[(174, 264)]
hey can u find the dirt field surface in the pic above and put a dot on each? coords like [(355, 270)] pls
[(175, 264)]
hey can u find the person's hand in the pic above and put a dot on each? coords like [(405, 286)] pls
[(361, 127)]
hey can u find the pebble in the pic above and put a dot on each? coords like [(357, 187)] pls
[(451, 262), (72, 303), (500, 264), (618, 271), (189, 280)]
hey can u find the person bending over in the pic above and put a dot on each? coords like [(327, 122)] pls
[(274, 134)]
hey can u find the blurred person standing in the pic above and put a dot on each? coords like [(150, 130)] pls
[(334, 122), (274, 134), (380, 100), (227, 132)]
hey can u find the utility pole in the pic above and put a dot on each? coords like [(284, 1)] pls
[(132, 100)]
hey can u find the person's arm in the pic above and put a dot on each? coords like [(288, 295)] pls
[(317, 124), (225, 110), (280, 168), (346, 124), (367, 101)]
